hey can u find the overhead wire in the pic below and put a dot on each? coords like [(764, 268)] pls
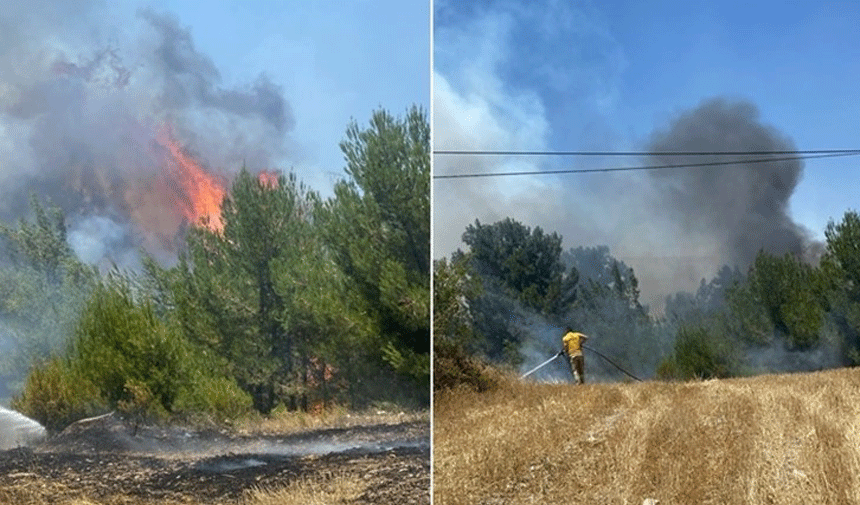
[(798, 155), (641, 153)]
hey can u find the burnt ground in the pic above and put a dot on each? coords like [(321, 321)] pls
[(109, 461)]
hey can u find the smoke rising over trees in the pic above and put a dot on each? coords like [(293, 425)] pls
[(295, 301), (781, 314), (739, 209), (82, 104), (674, 226)]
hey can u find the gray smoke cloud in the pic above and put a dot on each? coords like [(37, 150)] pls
[(189, 79), (85, 99), (675, 227), (742, 208), (681, 225)]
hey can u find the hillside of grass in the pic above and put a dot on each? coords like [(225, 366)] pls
[(771, 439)]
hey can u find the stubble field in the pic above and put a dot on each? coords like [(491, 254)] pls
[(780, 439)]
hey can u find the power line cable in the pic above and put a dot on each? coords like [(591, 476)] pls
[(644, 153), (650, 167)]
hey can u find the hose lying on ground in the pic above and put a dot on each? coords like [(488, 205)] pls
[(611, 362)]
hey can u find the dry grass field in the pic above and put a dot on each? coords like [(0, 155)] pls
[(780, 439), (284, 423)]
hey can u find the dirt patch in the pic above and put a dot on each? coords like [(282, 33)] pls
[(105, 461)]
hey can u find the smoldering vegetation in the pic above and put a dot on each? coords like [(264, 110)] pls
[(105, 460), (780, 314), (128, 162)]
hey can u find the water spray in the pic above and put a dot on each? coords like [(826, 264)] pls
[(18, 430), (535, 369)]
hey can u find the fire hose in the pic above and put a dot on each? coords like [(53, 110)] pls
[(611, 362), (535, 369)]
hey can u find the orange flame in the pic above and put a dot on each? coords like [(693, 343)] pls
[(200, 194), (268, 178)]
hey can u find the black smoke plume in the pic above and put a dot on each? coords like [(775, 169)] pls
[(741, 208)]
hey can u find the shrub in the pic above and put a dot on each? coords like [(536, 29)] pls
[(697, 354), (122, 347), (218, 397), (56, 395), (139, 404), (453, 367)]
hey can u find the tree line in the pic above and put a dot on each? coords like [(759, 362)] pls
[(514, 288), (298, 302)]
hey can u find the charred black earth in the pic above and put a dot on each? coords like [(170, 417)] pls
[(110, 461)]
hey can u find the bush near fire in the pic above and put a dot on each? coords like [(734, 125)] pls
[(282, 299)]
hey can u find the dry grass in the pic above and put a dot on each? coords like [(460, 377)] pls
[(285, 422), (330, 490), (320, 490), (38, 491), (779, 439)]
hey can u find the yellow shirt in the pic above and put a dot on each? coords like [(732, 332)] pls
[(573, 343)]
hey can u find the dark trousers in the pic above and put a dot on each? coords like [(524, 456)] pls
[(577, 369)]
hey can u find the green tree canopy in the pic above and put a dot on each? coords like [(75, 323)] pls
[(378, 227), (455, 287), (842, 255), (782, 296), (229, 297), (526, 260), (841, 269)]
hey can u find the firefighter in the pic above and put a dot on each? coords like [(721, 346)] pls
[(572, 347)]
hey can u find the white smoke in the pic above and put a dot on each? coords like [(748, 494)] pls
[(95, 238)]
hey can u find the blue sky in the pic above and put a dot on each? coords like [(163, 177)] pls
[(559, 75)]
